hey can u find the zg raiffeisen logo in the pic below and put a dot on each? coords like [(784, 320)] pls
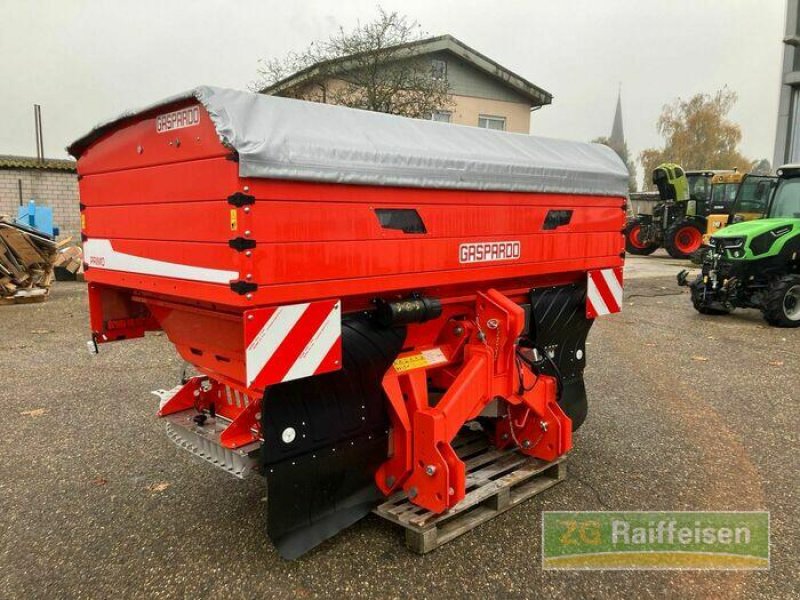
[(655, 540)]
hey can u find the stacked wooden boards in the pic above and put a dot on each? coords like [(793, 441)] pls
[(26, 263)]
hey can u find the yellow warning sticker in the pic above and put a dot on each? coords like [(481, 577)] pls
[(426, 358), (406, 363), (234, 223)]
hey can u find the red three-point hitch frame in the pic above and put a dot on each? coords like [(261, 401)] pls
[(423, 462)]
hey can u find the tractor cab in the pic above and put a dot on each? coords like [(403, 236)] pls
[(751, 203), (735, 194), (785, 202), (699, 184), (704, 195), (724, 187), (752, 200)]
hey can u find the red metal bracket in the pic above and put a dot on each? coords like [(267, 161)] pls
[(185, 398), (244, 429), (422, 461), (201, 392)]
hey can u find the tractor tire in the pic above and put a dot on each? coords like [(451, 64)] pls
[(633, 245), (782, 306), (683, 238), (698, 301)]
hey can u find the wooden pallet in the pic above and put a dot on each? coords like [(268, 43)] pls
[(24, 298), (497, 480)]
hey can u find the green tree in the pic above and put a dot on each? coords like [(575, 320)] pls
[(698, 135), (622, 152), (372, 67)]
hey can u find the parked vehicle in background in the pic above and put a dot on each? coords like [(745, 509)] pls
[(751, 194), (679, 221), (756, 264)]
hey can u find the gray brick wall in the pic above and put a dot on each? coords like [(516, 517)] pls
[(57, 189)]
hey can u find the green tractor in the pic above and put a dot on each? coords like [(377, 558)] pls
[(756, 264), (679, 220)]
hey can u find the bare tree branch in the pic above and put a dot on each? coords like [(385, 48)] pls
[(370, 67)]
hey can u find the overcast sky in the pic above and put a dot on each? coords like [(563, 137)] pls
[(86, 61)]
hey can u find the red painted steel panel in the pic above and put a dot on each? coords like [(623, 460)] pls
[(204, 179), (181, 290), (206, 221), (138, 143), (301, 262), (356, 293), (211, 341), (280, 221)]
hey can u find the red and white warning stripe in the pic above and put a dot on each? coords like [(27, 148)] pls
[(603, 292), (291, 342)]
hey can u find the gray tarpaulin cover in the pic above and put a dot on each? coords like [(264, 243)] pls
[(284, 138)]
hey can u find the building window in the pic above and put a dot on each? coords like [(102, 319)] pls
[(794, 128), (443, 116), (438, 69), (492, 122)]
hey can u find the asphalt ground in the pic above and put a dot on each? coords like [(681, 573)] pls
[(687, 412)]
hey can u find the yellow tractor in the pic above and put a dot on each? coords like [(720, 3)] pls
[(736, 197)]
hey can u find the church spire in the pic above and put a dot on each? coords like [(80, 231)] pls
[(617, 139)]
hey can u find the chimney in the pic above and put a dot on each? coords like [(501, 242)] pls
[(37, 122)]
